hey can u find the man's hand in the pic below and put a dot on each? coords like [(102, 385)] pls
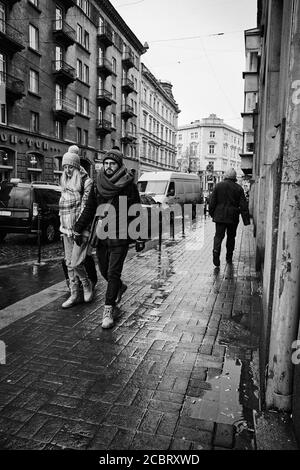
[(77, 238), (139, 245)]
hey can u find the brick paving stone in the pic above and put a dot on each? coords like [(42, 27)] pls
[(71, 441), (47, 432), (180, 444), (199, 436), (150, 421), (143, 441), (167, 424), (122, 440), (223, 435), (32, 426)]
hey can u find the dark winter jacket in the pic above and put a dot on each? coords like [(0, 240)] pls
[(95, 200), (227, 202)]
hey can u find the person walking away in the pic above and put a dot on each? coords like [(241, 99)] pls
[(112, 182), (75, 189), (226, 203)]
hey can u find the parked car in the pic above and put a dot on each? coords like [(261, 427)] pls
[(19, 208)]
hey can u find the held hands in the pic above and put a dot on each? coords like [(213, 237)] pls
[(139, 245), (77, 238)]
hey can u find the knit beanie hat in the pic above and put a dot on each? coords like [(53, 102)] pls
[(71, 157), (230, 174), (115, 155)]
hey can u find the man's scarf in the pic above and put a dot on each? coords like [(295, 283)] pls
[(110, 187)]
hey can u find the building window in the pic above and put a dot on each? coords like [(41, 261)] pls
[(114, 65), (86, 43), (179, 136), (58, 129), (79, 69), (114, 92), (86, 74), (33, 37), (211, 149), (85, 107), (34, 121), (86, 7), (212, 134), (3, 113), (79, 33), (78, 135), (33, 81), (78, 103), (113, 120), (85, 137)]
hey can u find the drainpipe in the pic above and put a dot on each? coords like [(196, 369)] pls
[(286, 302)]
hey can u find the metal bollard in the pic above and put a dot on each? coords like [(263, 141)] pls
[(39, 236)]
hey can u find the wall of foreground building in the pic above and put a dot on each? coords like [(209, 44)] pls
[(276, 172)]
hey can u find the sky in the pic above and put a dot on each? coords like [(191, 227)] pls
[(206, 70)]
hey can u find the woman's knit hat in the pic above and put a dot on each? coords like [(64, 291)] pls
[(115, 155), (71, 157)]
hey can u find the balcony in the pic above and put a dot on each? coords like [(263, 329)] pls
[(64, 109), (127, 111), (105, 35), (15, 88), (128, 59), (63, 72), (63, 32), (128, 137), (103, 127), (104, 97), (68, 3), (247, 164), (104, 67), (127, 86), (10, 3), (11, 39)]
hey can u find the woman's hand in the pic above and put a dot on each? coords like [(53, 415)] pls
[(77, 238)]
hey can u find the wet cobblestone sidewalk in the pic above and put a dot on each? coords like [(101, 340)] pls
[(176, 372)]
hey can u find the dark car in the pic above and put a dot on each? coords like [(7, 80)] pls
[(20, 204)]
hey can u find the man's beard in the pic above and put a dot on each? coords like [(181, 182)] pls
[(109, 173)]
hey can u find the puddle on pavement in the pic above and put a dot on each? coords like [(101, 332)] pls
[(31, 280), (230, 396)]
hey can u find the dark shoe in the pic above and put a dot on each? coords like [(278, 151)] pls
[(122, 289), (216, 259)]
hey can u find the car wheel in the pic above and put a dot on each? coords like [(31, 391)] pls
[(2, 236), (49, 233)]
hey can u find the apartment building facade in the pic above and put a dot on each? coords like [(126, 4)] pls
[(158, 125), (68, 71), (209, 147)]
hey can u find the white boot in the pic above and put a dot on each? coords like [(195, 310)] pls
[(88, 291), (108, 320), (74, 297)]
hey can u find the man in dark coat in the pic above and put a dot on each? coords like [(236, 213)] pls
[(112, 182), (226, 203)]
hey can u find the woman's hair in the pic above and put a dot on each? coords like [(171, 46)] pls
[(73, 183)]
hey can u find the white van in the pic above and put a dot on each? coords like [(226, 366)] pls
[(171, 187)]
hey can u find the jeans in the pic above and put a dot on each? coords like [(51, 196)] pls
[(111, 260), (220, 234)]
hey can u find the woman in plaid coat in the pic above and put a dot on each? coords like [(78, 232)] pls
[(75, 189)]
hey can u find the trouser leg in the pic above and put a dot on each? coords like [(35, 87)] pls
[(117, 257), (218, 238), (230, 242)]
